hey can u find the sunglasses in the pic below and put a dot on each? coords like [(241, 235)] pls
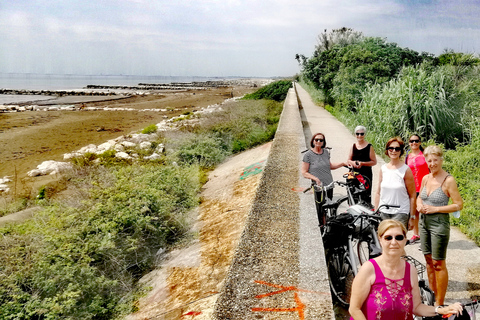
[(398, 237), (394, 149), (360, 133), (319, 140), (414, 141)]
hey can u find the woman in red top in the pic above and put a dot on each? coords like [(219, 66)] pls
[(417, 163)]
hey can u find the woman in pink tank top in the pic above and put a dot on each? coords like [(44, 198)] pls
[(387, 287)]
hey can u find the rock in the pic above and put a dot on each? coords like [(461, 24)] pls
[(153, 156), (91, 148), (119, 148), (109, 145), (145, 145), (49, 167), (128, 144), (122, 155), (5, 180), (69, 156)]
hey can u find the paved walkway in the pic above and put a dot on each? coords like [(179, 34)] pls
[(279, 268)]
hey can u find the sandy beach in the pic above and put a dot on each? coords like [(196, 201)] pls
[(31, 137)]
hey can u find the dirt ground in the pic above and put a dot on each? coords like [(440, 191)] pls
[(31, 137), (187, 281)]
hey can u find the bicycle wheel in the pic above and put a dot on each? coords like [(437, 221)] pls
[(363, 251), (427, 295), (340, 276)]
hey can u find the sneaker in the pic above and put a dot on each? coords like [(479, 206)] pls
[(414, 238)]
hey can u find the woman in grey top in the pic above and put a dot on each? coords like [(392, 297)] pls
[(316, 162), (437, 188)]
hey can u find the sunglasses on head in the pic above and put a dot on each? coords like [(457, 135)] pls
[(360, 133), (319, 140), (394, 149), (398, 237), (414, 141)]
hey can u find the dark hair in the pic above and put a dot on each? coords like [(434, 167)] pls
[(419, 138), (400, 142), (313, 138)]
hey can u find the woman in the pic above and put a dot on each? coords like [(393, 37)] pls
[(316, 164), (416, 161), (436, 190), (387, 287), (362, 157), (397, 186)]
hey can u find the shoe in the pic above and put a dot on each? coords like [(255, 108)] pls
[(414, 238)]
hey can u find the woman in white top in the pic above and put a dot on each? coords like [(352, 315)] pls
[(397, 184)]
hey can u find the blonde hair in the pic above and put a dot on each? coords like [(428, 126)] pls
[(433, 150), (389, 224)]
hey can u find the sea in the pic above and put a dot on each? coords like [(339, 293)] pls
[(30, 81)]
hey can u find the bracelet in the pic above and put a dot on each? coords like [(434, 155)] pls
[(436, 309)]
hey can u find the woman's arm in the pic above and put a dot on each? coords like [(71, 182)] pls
[(337, 165), (423, 310), (308, 175), (371, 163), (419, 200), (412, 194), (377, 194), (361, 286)]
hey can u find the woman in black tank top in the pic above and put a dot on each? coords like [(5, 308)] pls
[(362, 157)]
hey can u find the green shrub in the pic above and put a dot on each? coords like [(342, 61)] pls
[(78, 262), (276, 91), (150, 129)]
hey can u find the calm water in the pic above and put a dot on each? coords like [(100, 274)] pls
[(70, 82)]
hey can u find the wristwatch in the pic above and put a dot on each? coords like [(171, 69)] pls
[(436, 309)]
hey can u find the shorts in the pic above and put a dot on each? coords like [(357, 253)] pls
[(402, 217), (435, 234)]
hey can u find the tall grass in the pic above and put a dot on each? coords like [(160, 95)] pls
[(419, 100)]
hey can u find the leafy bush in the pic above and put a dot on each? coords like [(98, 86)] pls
[(276, 91), (150, 129), (77, 262), (343, 71)]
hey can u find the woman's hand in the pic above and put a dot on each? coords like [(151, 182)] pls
[(427, 209), (455, 308)]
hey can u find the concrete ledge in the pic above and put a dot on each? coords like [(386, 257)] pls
[(269, 255)]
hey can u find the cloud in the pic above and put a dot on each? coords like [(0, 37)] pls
[(210, 37)]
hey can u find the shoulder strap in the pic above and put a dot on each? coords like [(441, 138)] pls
[(406, 280), (378, 272), (448, 175)]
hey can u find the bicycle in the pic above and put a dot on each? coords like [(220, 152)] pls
[(427, 294), (339, 241), (369, 247), (326, 208)]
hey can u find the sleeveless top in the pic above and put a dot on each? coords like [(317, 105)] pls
[(393, 190), (419, 168), (363, 155), (388, 298), (319, 165), (436, 198)]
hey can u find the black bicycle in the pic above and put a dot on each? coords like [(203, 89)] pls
[(341, 243)]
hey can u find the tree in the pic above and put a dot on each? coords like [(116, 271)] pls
[(337, 37)]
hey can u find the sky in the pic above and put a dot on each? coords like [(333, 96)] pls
[(214, 38)]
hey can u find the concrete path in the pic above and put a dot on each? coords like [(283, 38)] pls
[(279, 270)]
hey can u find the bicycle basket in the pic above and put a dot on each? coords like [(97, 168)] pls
[(337, 230)]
